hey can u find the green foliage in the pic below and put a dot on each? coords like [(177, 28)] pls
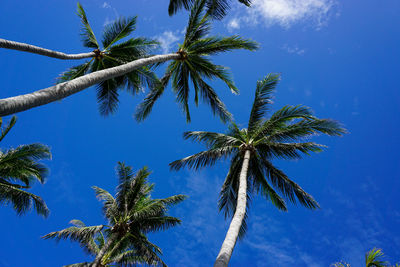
[(216, 8), (195, 65), (373, 258), (278, 137), (130, 215), (19, 169), (115, 52)]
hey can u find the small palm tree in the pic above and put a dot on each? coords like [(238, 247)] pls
[(131, 214), (216, 8), (113, 53), (251, 151), (19, 169), (111, 71), (373, 258)]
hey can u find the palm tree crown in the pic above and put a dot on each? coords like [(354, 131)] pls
[(131, 214), (216, 8), (19, 169), (113, 53), (195, 65), (280, 136)]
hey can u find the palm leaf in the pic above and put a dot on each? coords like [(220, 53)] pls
[(118, 30), (21, 200), (263, 97), (5, 130), (88, 37)]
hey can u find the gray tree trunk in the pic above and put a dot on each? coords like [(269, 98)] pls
[(19, 103), (103, 250), (233, 232), (42, 51)]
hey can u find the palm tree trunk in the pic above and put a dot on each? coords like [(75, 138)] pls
[(42, 51), (103, 250), (19, 103), (233, 232)]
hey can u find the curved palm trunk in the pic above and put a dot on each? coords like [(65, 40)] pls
[(103, 250), (19, 103), (233, 232), (42, 51)]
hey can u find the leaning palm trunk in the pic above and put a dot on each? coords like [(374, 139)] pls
[(233, 232), (19, 103), (42, 51), (103, 250)]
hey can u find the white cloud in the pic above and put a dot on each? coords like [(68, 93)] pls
[(293, 49), (106, 5), (167, 39), (233, 24), (284, 13)]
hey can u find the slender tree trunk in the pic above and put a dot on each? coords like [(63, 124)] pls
[(233, 232), (42, 51), (103, 250), (19, 103)]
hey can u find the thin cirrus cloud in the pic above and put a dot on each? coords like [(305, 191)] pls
[(284, 13)]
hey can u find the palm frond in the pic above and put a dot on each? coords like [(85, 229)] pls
[(118, 30), (306, 128), (21, 164), (214, 45), (81, 234), (373, 258), (175, 5), (260, 185), (202, 159), (144, 108), (21, 200), (211, 139), (6, 129), (198, 24), (210, 96), (287, 187), (271, 150), (88, 37), (263, 97), (74, 72)]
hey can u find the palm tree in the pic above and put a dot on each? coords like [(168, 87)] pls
[(216, 8), (19, 169), (373, 258), (131, 214), (111, 72), (251, 152)]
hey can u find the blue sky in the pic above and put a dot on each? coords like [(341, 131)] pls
[(339, 57)]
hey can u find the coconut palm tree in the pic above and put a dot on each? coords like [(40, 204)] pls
[(130, 215), (216, 8), (111, 72), (251, 151), (373, 258), (19, 169)]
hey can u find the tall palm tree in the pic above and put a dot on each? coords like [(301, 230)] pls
[(251, 151), (130, 215), (19, 169), (111, 71), (216, 8)]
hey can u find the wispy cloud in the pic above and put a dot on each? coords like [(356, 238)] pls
[(167, 39), (106, 5), (284, 13), (293, 49)]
